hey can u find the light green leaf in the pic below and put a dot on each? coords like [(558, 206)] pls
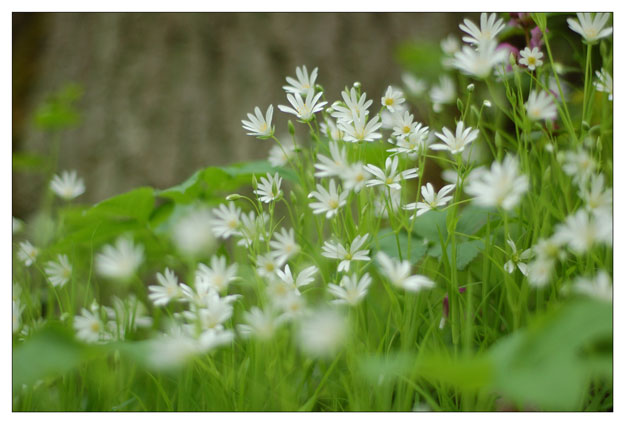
[(412, 251)]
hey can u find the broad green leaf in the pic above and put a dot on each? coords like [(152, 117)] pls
[(466, 251), (471, 220), (377, 368), (136, 204), (58, 111), (412, 249), (428, 225), (424, 59), (29, 162)]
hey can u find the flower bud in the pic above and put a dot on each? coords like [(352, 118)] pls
[(291, 128), (470, 88)]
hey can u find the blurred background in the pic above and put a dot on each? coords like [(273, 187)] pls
[(159, 95)]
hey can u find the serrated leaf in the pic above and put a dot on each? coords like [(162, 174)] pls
[(428, 225)]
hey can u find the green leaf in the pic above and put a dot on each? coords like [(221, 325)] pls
[(136, 204), (388, 245), (545, 365), (422, 58), (377, 368), (185, 191), (471, 220), (428, 225), (466, 251), (29, 162), (58, 111)]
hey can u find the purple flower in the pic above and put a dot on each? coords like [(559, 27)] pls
[(537, 37)]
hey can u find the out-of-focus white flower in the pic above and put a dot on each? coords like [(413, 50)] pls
[(218, 276), (549, 249), (444, 93), (226, 220), (517, 259), (582, 230), (303, 83), (259, 324), (207, 310), (591, 27), (170, 351), (350, 290), (332, 166), (27, 253), (269, 188), (252, 228), (304, 109), (121, 261), (383, 199), (596, 195), (389, 177), (540, 105), (501, 186), (18, 225), (280, 155), (604, 83), (167, 290), (479, 63), (599, 287), (267, 265), (354, 177), (67, 186), (192, 233), (450, 44), (89, 326), (431, 199), (354, 106), (531, 58), (415, 86), (399, 274), (579, 164), (359, 129), (59, 272), (284, 245), (455, 144), (331, 130), (490, 26), (322, 333), (539, 271), (305, 277), (290, 302), (259, 125), (392, 98), (329, 201), (347, 254)]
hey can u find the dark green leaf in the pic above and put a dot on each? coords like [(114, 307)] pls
[(412, 249), (466, 251)]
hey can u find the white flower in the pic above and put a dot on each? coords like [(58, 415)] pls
[(192, 233), (217, 276), (292, 304), (322, 333), (382, 200), (605, 83), (516, 259), (490, 26), (167, 290), (389, 176), (361, 130), (305, 277), (347, 254), (540, 105), (455, 144), (252, 228), (548, 249), (258, 323), (596, 196), (89, 327), (268, 189), (213, 338), (450, 44), (126, 316), (354, 106), (350, 290), (539, 271), (591, 27), (59, 272), (18, 225), (259, 125), (303, 83), (599, 287), (284, 245), (121, 261), (172, 350), (27, 253), (443, 93), (414, 143), (332, 166), (501, 186), (303, 109), (331, 130), (479, 63), (226, 220), (354, 177), (414, 85), (392, 98), (267, 265), (579, 165), (329, 201), (280, 155), (208, 310), (67, 186), (582, 230), (431, 199), (404, 125), (399, 274), (531, 58)]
